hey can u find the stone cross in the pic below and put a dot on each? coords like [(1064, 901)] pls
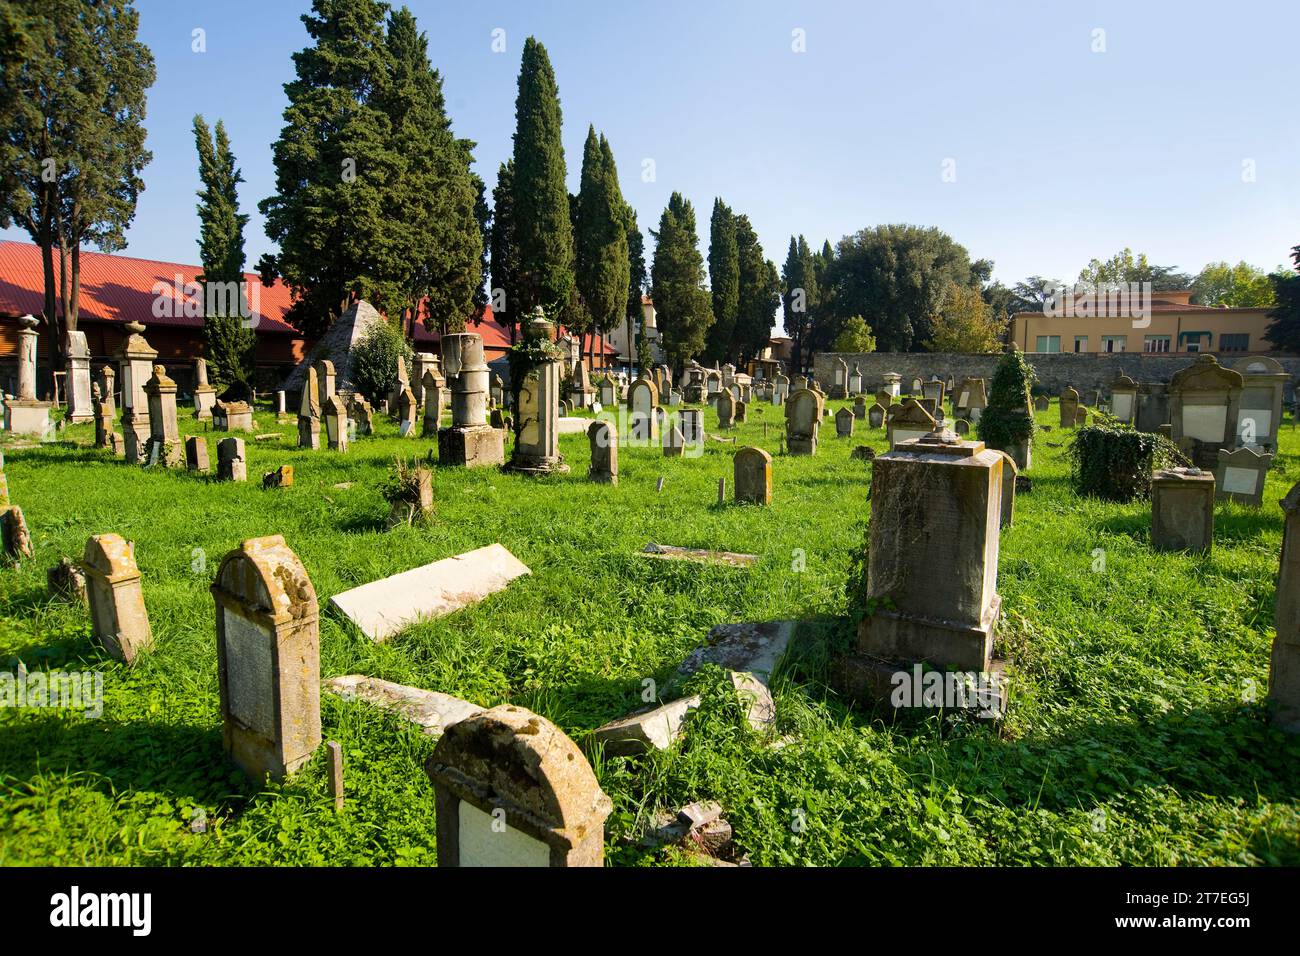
[(513, 790), (268, 658), (117, 613)]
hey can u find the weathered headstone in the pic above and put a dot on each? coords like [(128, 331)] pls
[(603, 439), (1203, 403), (934, 391), (642, 399), (268, 658), (406, 412), (336, 423), (961, 427), (740, 413), (15, 539), (1069, 407), (674, 443), (752, 476), (909, 422), (1264, 382), (844, 421), (1152, 407), (855, 380), (469, 442), (537, 433), (1239, 475), (876, 416), (691, 421), (1041, 403), (432, 389), (66, 581), (80, 408), (232, 464), (136, 359), (282, 477), (1123, 399), (803, 419), (196, 453), (893, 384), (24, 415), (205, 395), (1009, 473), (1182, 510), (512, 790), (117, 613), (309, 410), (726, 409), (164, 447)]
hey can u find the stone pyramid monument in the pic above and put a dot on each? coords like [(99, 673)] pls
[(336, 346)]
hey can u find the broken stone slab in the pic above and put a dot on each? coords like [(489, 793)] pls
[(700, 555), (651, 728), (755, 648), (429, 709), (383, 608), (754, 696)]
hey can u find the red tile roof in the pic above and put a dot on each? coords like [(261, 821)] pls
[(120, 289)]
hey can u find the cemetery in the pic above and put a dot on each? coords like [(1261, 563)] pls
[(453, 517)]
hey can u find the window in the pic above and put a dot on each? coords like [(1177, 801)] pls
[(1155, 343), (1234, 342), (1113, 343), (1081, 343), (1048, 343)]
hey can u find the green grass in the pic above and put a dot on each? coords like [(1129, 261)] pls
[(1131, 737)]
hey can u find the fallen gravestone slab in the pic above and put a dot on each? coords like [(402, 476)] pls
[(429, 709), (652, 728), (700, 555), (383, 608), (748, 648)]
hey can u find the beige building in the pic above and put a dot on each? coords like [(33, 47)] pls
[(1174, 325), (618, 336)]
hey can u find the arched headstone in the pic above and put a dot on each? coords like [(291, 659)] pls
[(117, 613)]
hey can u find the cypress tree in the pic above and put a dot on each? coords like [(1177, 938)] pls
[(682, 304), (542, 220), (636, 279), (602, 268), (229, 345), (505, 251), (758, 295), (724, 281)]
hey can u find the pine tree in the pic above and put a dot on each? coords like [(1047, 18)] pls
[(229, 344), (542, 223), (724, 281), (338, 171), (1284, 329), (683, 307)]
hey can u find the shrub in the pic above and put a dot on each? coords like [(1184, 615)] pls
[(1113, 461), (374, 360), (855, 336), (1008, 420)]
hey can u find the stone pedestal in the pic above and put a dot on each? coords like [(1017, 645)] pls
[(164, 445), (80, 405), (205, 395), (537, 445), (1182, 510), (24, 415), (471, 446), (470, 442)]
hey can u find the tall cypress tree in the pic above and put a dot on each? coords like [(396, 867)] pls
[(682, 304), (336, 168), (602, 269), (757, 295), (724, 281), (636, 279), (541, 205), (800, 297), (505, 251), (229, 346)]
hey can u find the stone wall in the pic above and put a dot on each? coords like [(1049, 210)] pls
[(1086, 371)]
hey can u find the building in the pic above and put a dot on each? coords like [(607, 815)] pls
[(618, 337), (1174, 325)]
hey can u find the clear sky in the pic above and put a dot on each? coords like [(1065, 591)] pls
[(1060, 153)]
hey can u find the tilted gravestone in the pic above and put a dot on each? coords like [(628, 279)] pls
[(309, 412), (15, 539), (268, 658), (1182, 510), (603, 439), (1284, 670), (1069, 407), (513, 790), (406, 410), (117, 613), (1239, 475), (752, 476)]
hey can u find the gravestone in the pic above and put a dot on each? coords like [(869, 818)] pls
[(537, 430), (406, 411), (404, 382), (932, 596), (232, 465), (135, 359), (1069, 407), (803, 419), (1239, 475), (104, 434), (1203, 403), (325, 379), (893, 384), (934, 391), (362, 414), (977, 400), (844, 420), (107, 386), (961, 427), (855, 380), (1009, 473), (24, 415), (205, 395), (512, 790), (432, 405), (917, 388), (117, 613), (80, 408), (642, 398), (1081, 417), (691, 421), (860, 408), (309, 412), (196, 454), (840, 380), (1264, 382), (410, 502), (752, 476), (1041, 403), (876, 416), (910, 422), (673, 441), (239, 416), (780, 390), (469, 442), (15, 539), (281, 406), (421, 363), (1284, 670), (741, 412), (268, 658), (581, 392), (726, 410), (336, 423), (164, 447), (603, 440), (1152, 407), (1123, 399), (1182, 510)]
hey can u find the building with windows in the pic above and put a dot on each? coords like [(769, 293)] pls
[(618, 338), (1175, 325)]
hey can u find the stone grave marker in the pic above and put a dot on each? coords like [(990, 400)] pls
[(642, 399), (537, 438), (80, 408), (910, 422), (1203, 403), (1069, 407), (603, 439), (196, 454), (232, 463), (726, 409), (164, 447), (1041, 403), (1123, 399), (1259, 413), (844, 420), (309, 410), (1284, 670), (336, 423), (14, 536), (432, 405), (752, 476), (1182, 510), (469, 442), (205, 395), (1239, 475), (268, 658), (876, 416), (117, 613), (803, 418), (1009, 474)]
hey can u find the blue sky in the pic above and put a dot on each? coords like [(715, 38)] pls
[(1061, 153)]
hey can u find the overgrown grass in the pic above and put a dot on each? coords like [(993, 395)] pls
[(1131, 737)]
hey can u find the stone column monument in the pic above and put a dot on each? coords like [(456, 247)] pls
[(205, 395), (25, 415), (537, 417), (136, 359), (80, 405), (470, 441)]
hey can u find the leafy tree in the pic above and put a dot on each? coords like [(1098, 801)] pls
[(1031, 295), (602, 267), (505, 251), (1125, 267), (759, 296), (339, 171), (965, 323), (855, 336), (799, 297), (72, 107), (1239, 286), (724, 281), (374, 360), (1284, 330), (229, 345), (683, 307), (897, 277), (542, 223)]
